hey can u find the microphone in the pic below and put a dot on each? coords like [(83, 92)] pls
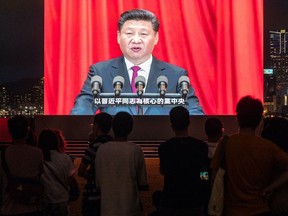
[(184, 83), (162, 83), (96, 83), (140, 85), (118, 83)]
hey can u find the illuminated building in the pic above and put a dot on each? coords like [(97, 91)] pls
[(279, 64)]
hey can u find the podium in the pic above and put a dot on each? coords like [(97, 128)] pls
[(140, 101)]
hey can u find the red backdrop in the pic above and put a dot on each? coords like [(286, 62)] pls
[(220, 43)]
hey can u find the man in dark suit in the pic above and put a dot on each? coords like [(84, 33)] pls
[(137, 36)]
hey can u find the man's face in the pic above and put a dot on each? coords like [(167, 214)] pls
[(137, 40)]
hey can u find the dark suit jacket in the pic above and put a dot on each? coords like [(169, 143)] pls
[(116, 67)]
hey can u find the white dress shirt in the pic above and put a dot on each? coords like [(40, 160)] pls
[(144, 71)]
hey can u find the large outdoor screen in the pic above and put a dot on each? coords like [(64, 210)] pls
[(219, 43)]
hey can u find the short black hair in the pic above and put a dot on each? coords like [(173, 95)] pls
[(104, 121), (18, 127), (179, 118), (213, 127), (48, 140), (122, 124), (139, 14), (276, 130), (249, 112)]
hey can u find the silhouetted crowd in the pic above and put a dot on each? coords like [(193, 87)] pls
[(38, 177)]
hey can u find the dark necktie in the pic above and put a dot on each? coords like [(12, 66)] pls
[(134, 75)]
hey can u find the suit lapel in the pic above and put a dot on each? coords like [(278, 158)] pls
[(120, 69), (156, 70)]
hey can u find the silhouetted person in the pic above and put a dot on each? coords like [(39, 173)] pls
[(276, 130), (121, 171), (62, 142), (23, 161), (214, 131), (250, 162), (58, 169), (99, 135), (182, 159)]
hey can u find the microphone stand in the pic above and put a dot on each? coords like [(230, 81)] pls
[(139, 110), (139, 107)]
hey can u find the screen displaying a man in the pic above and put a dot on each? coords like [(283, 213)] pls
[(137, 36)]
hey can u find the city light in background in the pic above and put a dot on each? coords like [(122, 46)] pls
[(276, 76)]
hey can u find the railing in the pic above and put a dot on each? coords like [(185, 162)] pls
[(76, 148)]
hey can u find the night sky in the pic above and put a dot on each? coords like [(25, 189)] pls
[(21, 39), (22, 35)]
